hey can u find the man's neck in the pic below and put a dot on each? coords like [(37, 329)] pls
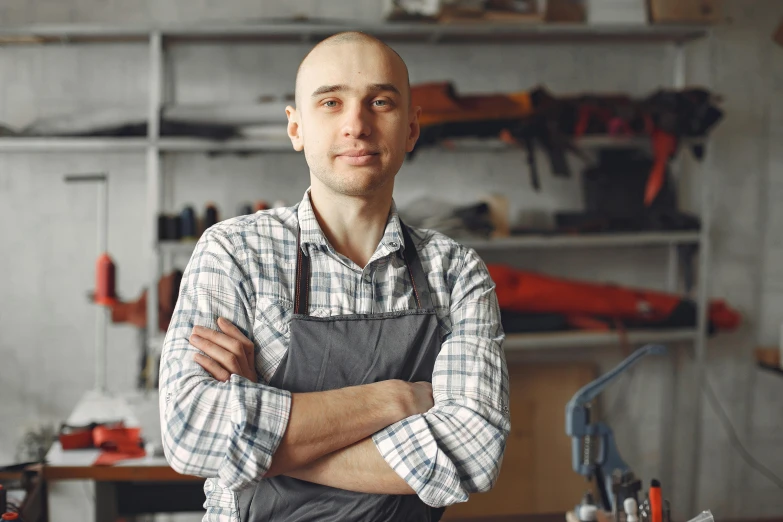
[(353, 225)]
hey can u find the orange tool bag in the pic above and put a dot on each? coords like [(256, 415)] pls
[(529, 292)]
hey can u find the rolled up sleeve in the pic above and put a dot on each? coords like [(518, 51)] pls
[(457, 447), (213, 429)]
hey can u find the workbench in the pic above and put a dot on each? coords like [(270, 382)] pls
[(132, 487)]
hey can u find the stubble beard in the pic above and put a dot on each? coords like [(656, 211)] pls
[(352, 181)]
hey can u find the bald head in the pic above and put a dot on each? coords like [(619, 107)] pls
[(353, 118), (320, 53)]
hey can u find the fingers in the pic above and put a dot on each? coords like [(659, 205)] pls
[(217, 371), (229, 348), (220, 339), (231, 359), (228, 328)]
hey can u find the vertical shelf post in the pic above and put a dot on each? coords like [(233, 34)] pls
[(702, 324), (154, 186)]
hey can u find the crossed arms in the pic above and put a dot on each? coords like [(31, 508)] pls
[(385, 437)]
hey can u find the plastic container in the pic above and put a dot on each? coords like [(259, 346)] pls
[(704, 516), (624, 12)]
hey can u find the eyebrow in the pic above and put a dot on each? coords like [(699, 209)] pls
[(376, 87), (324, 89)]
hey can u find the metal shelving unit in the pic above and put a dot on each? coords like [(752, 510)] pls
[(586, 241), (287, 32), (37, 145), (580, 339), (272, 144), (185, 248), (159, 38)]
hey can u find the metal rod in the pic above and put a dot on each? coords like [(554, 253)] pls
[(79, 178), (703, 290), (103, 217), (669, 402), (672, 269), (102, 320), (680, 67), (102, 314), (153, 179)]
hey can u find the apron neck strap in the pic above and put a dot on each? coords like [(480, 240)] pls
[(421, 289), (302, 297)]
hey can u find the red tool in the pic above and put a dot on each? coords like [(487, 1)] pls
[(656, 502), (664, 146), (116, 441), (105, 281)]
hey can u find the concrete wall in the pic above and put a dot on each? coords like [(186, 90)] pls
[(48, 229)]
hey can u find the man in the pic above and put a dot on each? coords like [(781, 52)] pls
[(296, 371)]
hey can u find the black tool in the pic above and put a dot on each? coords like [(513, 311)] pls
[(187, 223), (211, 216)]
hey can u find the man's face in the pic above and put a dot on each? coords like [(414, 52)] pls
[(353, 117)]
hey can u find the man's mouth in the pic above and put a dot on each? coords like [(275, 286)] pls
[(359, 156)]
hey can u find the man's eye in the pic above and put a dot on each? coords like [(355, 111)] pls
[(380, 103), (330, 104)]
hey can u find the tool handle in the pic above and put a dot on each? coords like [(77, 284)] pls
[(656, 504), (591, 390)]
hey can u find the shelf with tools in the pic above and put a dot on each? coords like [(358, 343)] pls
[(282, 144), (506, 244), (73, 144), (529, 342), (158, 40), (400, 32), (588, 339), (270, 144)]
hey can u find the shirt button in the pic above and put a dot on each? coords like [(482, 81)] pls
[(393, 244)]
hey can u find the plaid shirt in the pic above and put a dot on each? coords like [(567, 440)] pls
[(244, 270)]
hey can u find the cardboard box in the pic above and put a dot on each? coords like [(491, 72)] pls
[(492, 11), (565, 11), (684, 11)]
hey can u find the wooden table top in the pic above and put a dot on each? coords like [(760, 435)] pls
[(550, 517), (124, 473), (78, 465)]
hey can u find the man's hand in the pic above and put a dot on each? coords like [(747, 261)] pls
[(229, 352), (422, 397)]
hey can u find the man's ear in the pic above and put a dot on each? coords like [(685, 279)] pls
[(294, 129), (414, 130)]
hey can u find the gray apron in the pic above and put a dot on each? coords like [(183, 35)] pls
[(328, 353)]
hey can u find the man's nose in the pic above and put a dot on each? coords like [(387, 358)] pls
[(357, 122)]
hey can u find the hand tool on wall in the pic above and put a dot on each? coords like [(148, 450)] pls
[(512, 117), (593, 449)]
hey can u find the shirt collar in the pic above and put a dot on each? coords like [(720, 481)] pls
[(311, 232)]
